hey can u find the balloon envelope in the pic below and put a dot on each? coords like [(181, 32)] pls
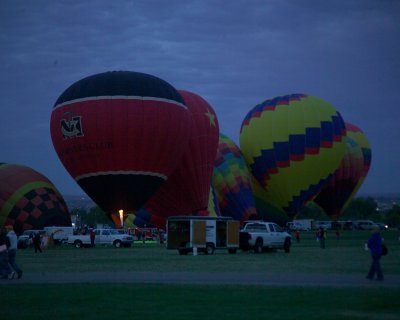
[(293, 144), (232, 181), (120, 135), (360, 138), (187, 190), (335, 196), (28, 200)]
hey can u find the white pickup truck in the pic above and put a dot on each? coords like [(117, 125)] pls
[(103, 237), (260, 235)]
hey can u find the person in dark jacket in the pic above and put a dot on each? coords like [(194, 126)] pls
[(37, 242), (375, 247)]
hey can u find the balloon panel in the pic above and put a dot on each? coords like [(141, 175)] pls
[(232, 181), (28, 200), (336, 195), (358, 136), (187, 189)]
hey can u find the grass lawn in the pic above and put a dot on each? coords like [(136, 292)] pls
[(115, 301), (345, 255)]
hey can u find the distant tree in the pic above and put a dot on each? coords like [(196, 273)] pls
[(362, 208), (96, 216), (312, 211)]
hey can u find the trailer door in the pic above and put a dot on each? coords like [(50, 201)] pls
[(198, 233), (233, 233)]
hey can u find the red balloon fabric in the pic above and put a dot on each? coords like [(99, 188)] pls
[(120, 135), (188, 188)]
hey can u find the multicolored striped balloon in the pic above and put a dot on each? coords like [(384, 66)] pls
[(232, 181), (358, 136), (293, 144)]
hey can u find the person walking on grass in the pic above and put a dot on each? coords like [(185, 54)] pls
[(5, 270), (37, 242), (322, 237), (375, 247), (12, 251)]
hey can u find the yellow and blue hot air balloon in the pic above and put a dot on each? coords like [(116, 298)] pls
[(293, 144)]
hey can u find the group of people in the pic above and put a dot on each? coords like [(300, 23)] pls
[(8, 252)]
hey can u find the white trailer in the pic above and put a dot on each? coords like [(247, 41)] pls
[(302, 224), (202, 234)]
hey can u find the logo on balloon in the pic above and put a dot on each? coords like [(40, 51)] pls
[(72, 128)]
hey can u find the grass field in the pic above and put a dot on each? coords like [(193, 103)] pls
[(345, 255)]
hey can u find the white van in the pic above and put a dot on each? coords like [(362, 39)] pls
[(364, 225)]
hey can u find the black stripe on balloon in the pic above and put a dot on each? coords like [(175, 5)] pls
[(120, 83), (119, 191)]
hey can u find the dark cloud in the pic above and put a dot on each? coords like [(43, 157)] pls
[(233, 53)]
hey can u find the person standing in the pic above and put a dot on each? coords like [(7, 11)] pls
[(322, 237), (92, 237), (37, 242), (375, 247), (12, 251), (5, 270), (297, 235)]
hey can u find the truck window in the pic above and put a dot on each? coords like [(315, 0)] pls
[(106, 233), (256, 227), (275, 227)]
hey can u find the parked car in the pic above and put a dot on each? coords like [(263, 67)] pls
[(104, 237), (364, 225)]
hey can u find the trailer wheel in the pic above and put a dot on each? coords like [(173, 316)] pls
[(182, 252), (78, 244), (209, 248), (232, 250), (258, 247)]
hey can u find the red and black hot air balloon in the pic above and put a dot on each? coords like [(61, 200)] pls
[(28, 200), (187, 191), (120, 135)]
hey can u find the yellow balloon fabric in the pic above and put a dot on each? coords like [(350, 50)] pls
[(293, 144)]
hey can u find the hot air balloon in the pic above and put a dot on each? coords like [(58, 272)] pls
[(120, 135), (335, 196), (232, 181), (28, 200), (187, 190), (348, 178), (360, 138), (293, 144)]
